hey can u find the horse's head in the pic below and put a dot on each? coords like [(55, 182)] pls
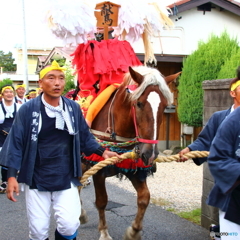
[(149, 99)]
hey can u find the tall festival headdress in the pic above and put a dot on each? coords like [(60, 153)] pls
[(74, 21), (101, 64)]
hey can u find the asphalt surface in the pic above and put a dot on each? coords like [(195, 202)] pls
[(158, 224)]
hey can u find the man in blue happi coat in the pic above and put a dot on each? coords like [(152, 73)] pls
[(206, 136), (44, 146), (224, 164)]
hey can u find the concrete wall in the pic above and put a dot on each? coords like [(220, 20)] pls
[(216, 98)]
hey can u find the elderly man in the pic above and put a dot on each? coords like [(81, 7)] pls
[(44, 145)]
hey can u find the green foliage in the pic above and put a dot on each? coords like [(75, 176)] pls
[(228, 70), (69, 79), (192, 216), (6, 81), (60, 61), (6, 61), (203, 64)]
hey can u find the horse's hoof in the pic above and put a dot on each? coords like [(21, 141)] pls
[(132, 234), (104, 235), (83, 218)]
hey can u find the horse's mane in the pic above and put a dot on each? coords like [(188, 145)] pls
[(151, 77)]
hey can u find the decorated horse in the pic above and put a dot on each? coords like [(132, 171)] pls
[(130, 119)]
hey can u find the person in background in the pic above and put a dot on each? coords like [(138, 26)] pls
[(8, 110), (20, 92), (32, 93), (206, 136), (38, 91), (224, 165), (44, 145)]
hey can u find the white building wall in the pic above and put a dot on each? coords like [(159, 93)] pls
[(194, 26)]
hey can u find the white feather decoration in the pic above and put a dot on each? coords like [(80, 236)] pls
[(73, 21)]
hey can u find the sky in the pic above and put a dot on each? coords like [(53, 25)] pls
[(11, 25), (37, 31)]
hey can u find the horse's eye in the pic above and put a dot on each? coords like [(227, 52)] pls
[(139, 104)]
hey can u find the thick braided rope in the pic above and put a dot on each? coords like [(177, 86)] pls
[(133, 155)]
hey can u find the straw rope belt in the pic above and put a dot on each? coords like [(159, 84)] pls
[(132, 155)]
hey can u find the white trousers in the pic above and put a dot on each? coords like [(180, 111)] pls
[(66, 207), (232, 229)]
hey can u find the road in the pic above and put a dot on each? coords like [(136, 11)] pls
[(159, 224)]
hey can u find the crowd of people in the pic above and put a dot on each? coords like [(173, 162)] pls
[(11, 100)]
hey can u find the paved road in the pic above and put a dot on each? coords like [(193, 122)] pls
[(158, 223)]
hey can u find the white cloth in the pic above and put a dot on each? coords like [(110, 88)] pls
[(73, 21), (9, 111), (21, 100), (61, 116), (66, 206), (134, 15), (228, 230)]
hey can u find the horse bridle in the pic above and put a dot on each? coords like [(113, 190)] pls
[(112, 132), (136, 129)]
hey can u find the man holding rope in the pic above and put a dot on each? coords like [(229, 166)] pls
[(205, 138), (44, 145)]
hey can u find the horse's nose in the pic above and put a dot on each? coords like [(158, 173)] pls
[(149, 153)]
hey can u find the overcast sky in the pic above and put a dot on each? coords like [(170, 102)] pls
[(37, 32)]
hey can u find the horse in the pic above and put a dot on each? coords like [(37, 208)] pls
[(134, 112)]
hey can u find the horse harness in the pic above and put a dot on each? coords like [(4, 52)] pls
[(111, 134)]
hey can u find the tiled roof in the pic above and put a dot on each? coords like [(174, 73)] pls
[(181, 2)]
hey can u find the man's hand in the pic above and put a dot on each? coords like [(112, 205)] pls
[(109, 154), (11, 188), (181, 153)]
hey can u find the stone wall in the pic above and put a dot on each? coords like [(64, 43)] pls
[(216, 98)]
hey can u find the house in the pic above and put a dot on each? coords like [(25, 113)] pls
[(33, 56)]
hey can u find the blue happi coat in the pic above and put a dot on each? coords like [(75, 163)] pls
[(224, 164), (20, 148), (206, 136)]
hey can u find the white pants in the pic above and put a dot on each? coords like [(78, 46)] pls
[(232, 229), (66, 206)]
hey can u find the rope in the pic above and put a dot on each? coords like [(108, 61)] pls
[(133, 155)]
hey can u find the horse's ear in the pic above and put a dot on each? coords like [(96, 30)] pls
[(137, 77), (172, 77)]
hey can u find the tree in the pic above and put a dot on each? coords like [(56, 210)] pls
[(228, 70), (69, 79), (6, 62), (203, 64), (5, 81)]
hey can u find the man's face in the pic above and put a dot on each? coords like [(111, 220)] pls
[(20, 92), (8, 95), (235, 94), (32, 95), (53, 84)]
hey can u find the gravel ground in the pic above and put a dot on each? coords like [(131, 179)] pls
[(176, 186)]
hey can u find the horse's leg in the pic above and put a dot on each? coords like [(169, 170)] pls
[(101, 203), (143, 197), (83, 217)]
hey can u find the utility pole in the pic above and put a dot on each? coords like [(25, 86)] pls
[(24, 49)]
